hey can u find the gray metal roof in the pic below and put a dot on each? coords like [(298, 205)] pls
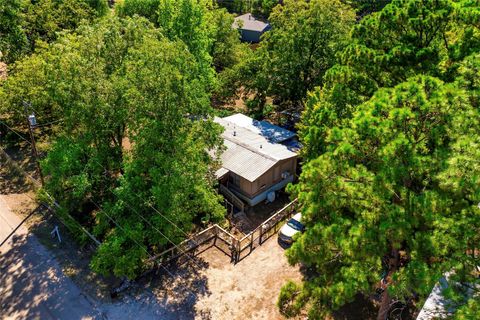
[(248, 153), (248, 22), (221, 172), (272, 132)]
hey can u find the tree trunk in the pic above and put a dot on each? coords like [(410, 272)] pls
[(386, 299)]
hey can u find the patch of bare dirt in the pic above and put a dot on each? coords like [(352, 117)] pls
[(213, 288)]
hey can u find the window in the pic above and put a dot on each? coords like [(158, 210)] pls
[(234, 179)]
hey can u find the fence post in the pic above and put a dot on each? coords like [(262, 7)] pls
[(251, 242), (262, 226), (215, 233), (238, 250)]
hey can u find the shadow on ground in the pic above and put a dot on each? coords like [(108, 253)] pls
[(179, 286), (12, 179), (33, 287)]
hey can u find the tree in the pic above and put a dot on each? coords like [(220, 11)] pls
[(26, 23), (392, 197), (406, 38), (226, 49), (169, 167), (294, 56), (45, 18), (201, 25), (365, 7), (135, 136), (13, 41), (469, 311), (144, 8), (186, 20)]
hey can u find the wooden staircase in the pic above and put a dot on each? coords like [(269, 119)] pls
[(230, 196)]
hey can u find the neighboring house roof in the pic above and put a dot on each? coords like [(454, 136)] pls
[(249, 154), (271, 132), (436, 306), (248, 22), (439, 307)]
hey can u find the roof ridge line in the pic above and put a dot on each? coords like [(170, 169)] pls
[(250, 148)]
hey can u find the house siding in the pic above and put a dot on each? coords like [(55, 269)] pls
[(272, 176)]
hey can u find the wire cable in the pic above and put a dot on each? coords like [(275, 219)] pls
[(143, 218), (18, 134)]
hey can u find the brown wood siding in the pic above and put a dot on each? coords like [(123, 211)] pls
[(268, 179), (273, 176), (245, 186)]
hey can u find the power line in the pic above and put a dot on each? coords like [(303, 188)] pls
[(18, 134), (138, 244), (49, 123), (163, 216), (110, 218), (162, 234), (51, 198), (148, 222), (143, 218), (167, 219)]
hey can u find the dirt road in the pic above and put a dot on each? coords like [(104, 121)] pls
[(33, 285), (31, 282)]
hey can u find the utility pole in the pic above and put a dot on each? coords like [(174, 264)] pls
[(32, 122)]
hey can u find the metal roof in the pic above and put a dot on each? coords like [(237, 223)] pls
[(272, 132), (221, 172), (249, 154), (248, 22)]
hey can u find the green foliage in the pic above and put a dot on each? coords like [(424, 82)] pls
[(406, 38), (26, 24), (261, 8), (144, 8), (226, 49), (392, 172), (100, 7), (294, 56), (205, 29), (468, 78), (365, 7), (13, 41), (45, 18), (469, 311), (129, 99), (397, 178), (288, 300)]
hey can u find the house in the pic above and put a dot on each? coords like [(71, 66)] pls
[(250, 28), (257, 160)]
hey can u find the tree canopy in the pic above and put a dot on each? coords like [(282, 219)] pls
[(389, 97), (293, 57), (25, 24), (406, 38), (389, 186), (134, 139)]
